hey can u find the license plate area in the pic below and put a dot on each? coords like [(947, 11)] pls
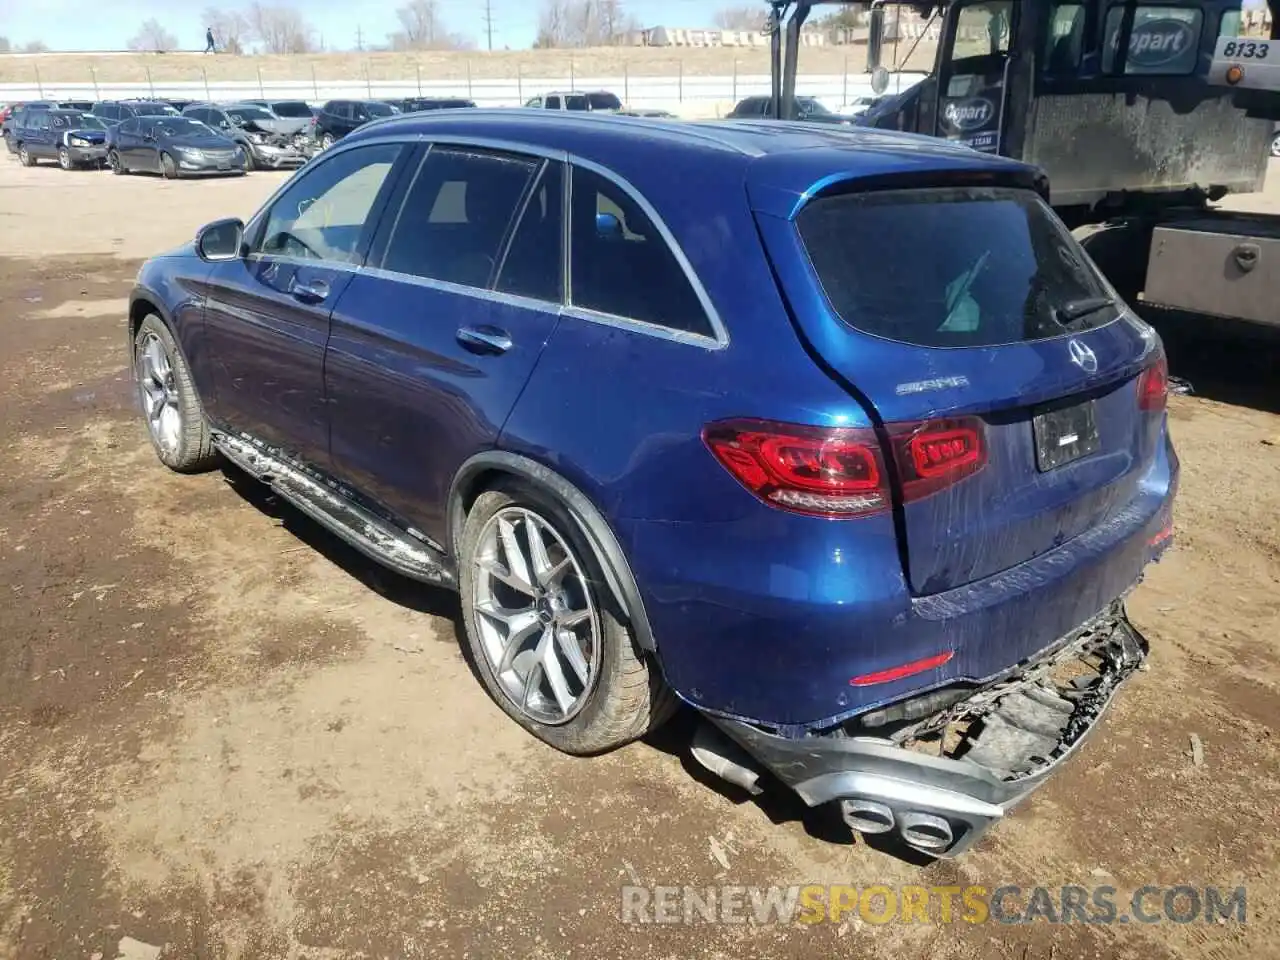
[(1064, 435)]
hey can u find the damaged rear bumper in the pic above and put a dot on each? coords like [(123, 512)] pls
[(941, 781)]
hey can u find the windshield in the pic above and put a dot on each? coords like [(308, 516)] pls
[(180, 127), (952, 267), (380, 109), (809, 106), (83, 121), (293, 109), (251, 113), (604, 101), (154, 110)]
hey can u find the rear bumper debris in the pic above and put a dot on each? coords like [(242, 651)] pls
[(941, 780)]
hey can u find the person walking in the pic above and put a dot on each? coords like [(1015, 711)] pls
[(209, 46)]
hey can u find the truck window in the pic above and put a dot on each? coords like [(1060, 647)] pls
[(983, 30), (1064, 44), (1165, 40)]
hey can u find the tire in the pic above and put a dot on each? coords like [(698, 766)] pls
[(167, 167), (116, 164), (25, 157), (1275, 145), (170, 404), (64, 159), (249, 165), (327, 141), (624, 695)]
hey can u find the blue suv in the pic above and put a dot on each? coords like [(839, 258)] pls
[(836, 436)]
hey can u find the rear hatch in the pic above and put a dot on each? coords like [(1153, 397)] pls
[(1007, 379)]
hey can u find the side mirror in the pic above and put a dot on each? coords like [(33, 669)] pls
[(220, 240), (608, 227), (879, 80)]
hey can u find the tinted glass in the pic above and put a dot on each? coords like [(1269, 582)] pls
[(533, 264), (294, 109), (323, 215), (379, 109), (955, 267), (179, 127), (553, 103), (154, 110), (456, 214), (604, 101), (1164, 40), (251, 113), (576, 102), (628, 271), (108, 110)]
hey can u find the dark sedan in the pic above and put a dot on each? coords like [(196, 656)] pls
[(807, 108), (421, 104), (73, 138), (172, 146)]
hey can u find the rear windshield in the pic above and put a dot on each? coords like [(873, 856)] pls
[(953, 267), (292, 109)]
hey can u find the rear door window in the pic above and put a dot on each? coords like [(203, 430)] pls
[(952, 267), (553, 103), (456, 215), (622, 265), (533, 264), (1164, 40)]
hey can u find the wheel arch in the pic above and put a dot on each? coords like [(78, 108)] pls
[(143, 301), (479, 474)]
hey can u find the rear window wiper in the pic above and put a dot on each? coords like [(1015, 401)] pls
[(1074, 310)]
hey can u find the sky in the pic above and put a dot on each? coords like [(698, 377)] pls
[(108, 24)]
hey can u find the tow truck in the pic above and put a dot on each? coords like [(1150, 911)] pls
[(1142, 113)]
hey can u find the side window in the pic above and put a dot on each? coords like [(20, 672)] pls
[(533, 264), (323, 215), (1064, 44), (456, 215), (43, 122), (983, 29), (553, 103), (534, 102), (110, 111), (1164, 40), (147, 127), (621, 264)]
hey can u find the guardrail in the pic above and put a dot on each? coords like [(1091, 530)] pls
[(681, 94)]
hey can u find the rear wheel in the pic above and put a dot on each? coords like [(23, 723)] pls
[(64, 158), (544, 630), (249, 165), (174, 415), (115, 163), (1275, 145), (25, 157), (326, 141), (168, 167)]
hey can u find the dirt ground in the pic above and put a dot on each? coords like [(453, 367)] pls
[(223, 735)]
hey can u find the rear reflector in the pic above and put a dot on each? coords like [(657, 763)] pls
[(905, 670), (839, 472), (1153, 386)]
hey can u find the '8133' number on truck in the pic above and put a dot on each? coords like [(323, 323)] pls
[(1246, 49)]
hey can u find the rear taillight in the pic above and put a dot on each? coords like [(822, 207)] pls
[(839, 472), (1153, 386)]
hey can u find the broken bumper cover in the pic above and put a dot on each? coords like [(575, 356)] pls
[(975, 760)]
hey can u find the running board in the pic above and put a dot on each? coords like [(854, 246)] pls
[(376, 538)]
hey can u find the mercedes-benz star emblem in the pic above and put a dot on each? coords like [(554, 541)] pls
[(1082, 356)]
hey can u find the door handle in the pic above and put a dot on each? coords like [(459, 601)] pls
[(484, 339), (313, 292)]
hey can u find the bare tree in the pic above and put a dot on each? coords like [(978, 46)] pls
[(280, 29), (745, 17), (424, 29), (231, 29), (35, 46), (5, 45), (582, 23), (153, 38)]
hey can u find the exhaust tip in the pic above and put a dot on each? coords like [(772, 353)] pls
[(925, 832), (866, 816)]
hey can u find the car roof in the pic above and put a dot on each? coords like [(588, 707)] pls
[(793, 157)]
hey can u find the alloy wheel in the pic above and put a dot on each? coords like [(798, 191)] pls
[(1275, 145), (23, 156), (158, 388), (64, 158), (538, 623)]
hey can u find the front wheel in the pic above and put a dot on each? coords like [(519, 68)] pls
[(25, 157), (544, 630), (116, 164), (168, 167), (1275, 145), (174, 415), (326, 141), (64, 158)]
